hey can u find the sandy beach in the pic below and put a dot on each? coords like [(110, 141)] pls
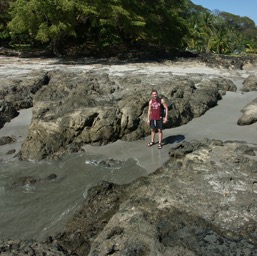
[(218, 123)]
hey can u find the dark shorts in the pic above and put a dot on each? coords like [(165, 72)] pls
[(156, 124)]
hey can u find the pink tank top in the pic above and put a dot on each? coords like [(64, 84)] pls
[(156, 109)]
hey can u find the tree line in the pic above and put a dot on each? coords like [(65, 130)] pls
[(62, 25)]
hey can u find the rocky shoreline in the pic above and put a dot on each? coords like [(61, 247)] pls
[(200, 202)]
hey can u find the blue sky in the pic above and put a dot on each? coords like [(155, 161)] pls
[(238, 7)]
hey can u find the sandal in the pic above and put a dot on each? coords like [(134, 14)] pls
[(150, 144), (159, 145)]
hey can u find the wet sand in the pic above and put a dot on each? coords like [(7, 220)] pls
[(218, 123)]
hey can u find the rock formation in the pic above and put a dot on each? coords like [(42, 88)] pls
[(250, 110), (249, 114), (17, 93), (250, 83), (201, 202), (86, 107)]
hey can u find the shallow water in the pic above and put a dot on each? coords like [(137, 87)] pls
[(37, 210)]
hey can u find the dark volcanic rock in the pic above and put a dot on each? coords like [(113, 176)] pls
[(51, 177), (11, 151), (203, 202), (31, 180), (7, 140), (7, 112), (229, 62), (19, 92), (90, 221), (99, 108), (16, 94), (23, 181), (29, 248)]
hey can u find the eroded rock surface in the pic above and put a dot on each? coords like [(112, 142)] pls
[(29, 248), (17, 93), (250, 83), (87, 107), (201, 202), (249, 114), (7, 112)]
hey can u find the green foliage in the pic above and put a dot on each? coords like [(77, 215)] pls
[(4, 19), (166, 24), (45, 21), (219, 32), (128, 22)]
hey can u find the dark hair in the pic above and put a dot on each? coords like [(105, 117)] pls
[(153, 90)]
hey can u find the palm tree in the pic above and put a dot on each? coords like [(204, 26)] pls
[(219, 40)]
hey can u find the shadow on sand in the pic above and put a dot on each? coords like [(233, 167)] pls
[(173, 139)]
